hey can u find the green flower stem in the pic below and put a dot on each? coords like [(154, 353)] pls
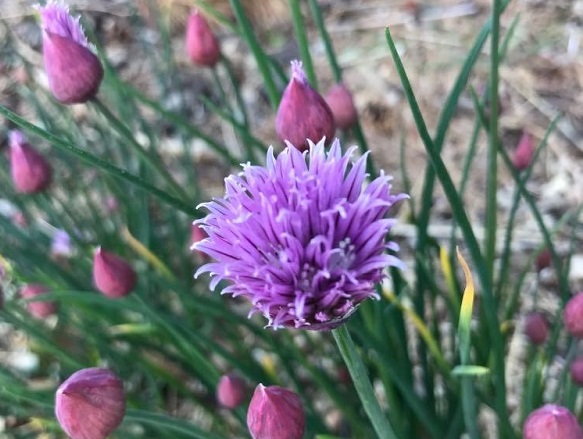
[(151, 160), (319, 21), (362, 383), (99, 163), (302, 38), (260, 56)]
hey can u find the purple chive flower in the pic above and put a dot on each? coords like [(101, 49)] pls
[(90, 404), (112, 275), (30, 171), (552, 422), (301, 238), (573, 315), (524, 152), (576, 370), (73, 70), (275, 413), (341, 103), (537, 328), (61, 245), (303, 114), (38, 309)]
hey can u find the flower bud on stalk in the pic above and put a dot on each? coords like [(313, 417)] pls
[(576, 370), (231, 391), (90, 404), (201, 44), (112, 275), (30, 171), (573, 315), (524, 152), (275, 413), (537, 328), (73, 70), (552, 422), (339, 99), (303, 114), (37, 309), (543, 260)]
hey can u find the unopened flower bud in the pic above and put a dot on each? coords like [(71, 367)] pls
[(38, 309), (231, 391), (303, 114), (201, 44), (90, 404), (30, 170), (543, 260), (275, 413), (537, 328), (576, 370), (61, 245), (552, 422), (339, 99), (524, 152), (73, 70), (112, 275), (573, 315)]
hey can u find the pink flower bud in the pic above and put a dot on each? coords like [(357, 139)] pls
[(37, 309), (552, 422), (303, 114), (573, 315), (231, 391), (537, 328), (275, 413), (543, 260), (201, 44), (524, 152), (339, 99), (112, 275), (73, 70), (576, 370), (30, 171), (90, 404)]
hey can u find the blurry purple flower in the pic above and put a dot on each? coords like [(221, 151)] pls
[(90, 404), (301, 238), (61, 244), (231, 391), (73, 70), (552, 422), (38, 309), (275, 413), (303, 114), (524, 152), (30, 170), (576, 370), (201, 44), (543, 260), (537, 328), (340, 101), (573, 315), (112, 275)]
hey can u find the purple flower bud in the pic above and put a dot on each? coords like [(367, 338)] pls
[(74, 71), (201, 44), (37, 309), (339, 99), (303, 114), (275, 413), (112, 275), (61, 245), (231, 391), (543, 260), (552, 422), (537, 328), (576, 370), (90, 404), (524, 152), (30, 170), (573, 315)]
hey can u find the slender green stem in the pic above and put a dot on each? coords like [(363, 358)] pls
[(319, 21), (258, 53), (302, 38), (492, 167), (362, 383), (99, 163), (151, 160)]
